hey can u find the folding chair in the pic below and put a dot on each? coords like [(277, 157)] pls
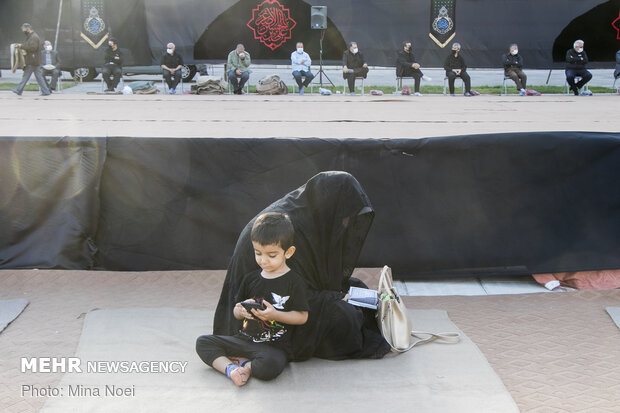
[(247, 84), (121, 83), (399, 81), (504, 85)]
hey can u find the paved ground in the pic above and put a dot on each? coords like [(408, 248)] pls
[(554, 352)]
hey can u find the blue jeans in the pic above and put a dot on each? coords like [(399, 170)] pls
[(298, 74), (570, 79), (38, 74), (238, 84)]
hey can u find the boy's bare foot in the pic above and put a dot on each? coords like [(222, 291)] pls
[(240, 375)]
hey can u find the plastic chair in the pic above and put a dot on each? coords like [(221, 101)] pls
[(445, 84), (344, 88), (577, 79), (504, 86), (399, 81), (164, 85)]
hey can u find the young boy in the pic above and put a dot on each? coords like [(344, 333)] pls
[(262, 347)]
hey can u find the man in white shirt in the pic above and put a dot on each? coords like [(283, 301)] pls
[(300, 63)]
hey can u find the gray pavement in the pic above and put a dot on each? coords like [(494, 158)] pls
[(378, 76)]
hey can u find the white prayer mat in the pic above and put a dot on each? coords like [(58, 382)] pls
[(614, 313), (434, 377), (9, 310)]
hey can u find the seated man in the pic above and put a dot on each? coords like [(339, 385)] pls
[(238, 65), (407, 66), (353, 66), (113, 65), (300, 63), (513, 68), (50, 64), (455, 67), (171, 64), (576, 61)]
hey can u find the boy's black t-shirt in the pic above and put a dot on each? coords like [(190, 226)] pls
[(285, 293)]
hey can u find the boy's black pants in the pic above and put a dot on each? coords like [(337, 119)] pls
[(267, 360)]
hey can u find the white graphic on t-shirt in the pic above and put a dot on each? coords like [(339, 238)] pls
[(279, 301)]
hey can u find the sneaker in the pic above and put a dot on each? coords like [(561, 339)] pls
[(301, 91), (417, 94), (44, 94), (586, 93), (172, 91), (16, 92), (426, 78), (522, 92), (467, 94), (352, 94)]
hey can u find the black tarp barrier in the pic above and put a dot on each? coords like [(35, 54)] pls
[(479, 204), (207, 30)]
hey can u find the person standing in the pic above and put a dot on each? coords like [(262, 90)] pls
[(455, 67), (408, 66), (238, 66), (50, 64), (576, 61), (113, 65), (300, 63), (172, 64), (353, 66), (513, 68), (32, 47)]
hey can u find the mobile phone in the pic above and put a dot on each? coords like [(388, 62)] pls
[(249, 306)]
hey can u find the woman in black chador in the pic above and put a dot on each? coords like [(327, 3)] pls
[(331, 215)]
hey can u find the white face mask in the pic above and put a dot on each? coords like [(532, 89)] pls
[(300, 50), (579, 49), (241, 54), (169, 51), (514, 52), (49, 48), (354, 51)]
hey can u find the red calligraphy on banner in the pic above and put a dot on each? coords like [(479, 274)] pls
[(616, 24), (271, 23)]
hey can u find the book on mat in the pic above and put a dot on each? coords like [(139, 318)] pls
[(363, 297)]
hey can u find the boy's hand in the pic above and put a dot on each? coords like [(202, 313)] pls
[(268, 314), (242, 311)]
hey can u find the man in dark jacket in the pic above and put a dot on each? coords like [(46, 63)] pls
[(353, 66), (50, 64), (408, 66), (617, 71), (576, 61), (455, 67), (513, 68), (32, 46), (113, 65), (172, 65)]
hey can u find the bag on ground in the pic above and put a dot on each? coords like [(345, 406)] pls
[(271, 85), (395, 323)]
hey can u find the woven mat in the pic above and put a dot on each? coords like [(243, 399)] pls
[(431, 378)]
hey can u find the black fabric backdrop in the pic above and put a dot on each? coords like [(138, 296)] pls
[(497, 203)]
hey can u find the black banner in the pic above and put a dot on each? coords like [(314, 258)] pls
[(442, 21), (94, 28)]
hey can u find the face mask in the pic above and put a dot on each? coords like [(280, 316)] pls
[(241, 54), (300, 50), (514, 52), (354, 51), (49, 48), (579, 49), (169, 51)]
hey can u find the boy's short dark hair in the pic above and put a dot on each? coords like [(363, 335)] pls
[(273, 228)]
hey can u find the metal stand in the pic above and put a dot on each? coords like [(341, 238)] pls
[(321, 71)]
